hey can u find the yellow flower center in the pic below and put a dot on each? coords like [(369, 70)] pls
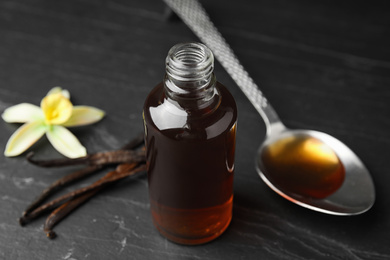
[(56, 108)]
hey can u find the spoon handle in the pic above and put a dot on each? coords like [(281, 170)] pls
[(194, 15)]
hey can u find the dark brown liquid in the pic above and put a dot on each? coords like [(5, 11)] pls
[(303, 165), (190, 168)]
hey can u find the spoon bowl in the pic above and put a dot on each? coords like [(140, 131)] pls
[(356, 194), (353, 191)]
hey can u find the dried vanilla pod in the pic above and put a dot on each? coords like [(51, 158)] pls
[(128, 159)]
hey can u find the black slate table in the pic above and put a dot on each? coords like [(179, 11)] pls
[(324, 65)]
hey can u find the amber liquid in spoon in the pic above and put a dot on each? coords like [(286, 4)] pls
[(303, 165)]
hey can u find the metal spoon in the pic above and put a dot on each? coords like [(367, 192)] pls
[(356, 194)]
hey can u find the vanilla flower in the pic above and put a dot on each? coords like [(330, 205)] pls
[(56, 113)]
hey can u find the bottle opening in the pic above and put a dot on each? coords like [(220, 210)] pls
[(190, 55), (190, 62)]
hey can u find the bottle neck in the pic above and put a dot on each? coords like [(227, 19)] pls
[(189, 78)]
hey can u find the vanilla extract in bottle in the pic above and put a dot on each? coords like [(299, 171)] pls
[(190, 130)]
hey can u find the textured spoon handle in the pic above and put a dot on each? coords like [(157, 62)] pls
[(193, 14)]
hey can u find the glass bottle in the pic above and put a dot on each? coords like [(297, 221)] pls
[(190, 130)]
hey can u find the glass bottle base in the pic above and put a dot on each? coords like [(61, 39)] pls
[(192, 226)]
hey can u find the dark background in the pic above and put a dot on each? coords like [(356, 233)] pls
[(323, 65)]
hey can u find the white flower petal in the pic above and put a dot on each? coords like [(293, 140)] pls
[(24, 137), (64, 92), (84, 115), (65, 142), (22, 113)]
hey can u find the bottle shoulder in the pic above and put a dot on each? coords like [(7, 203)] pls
[(168, 117)]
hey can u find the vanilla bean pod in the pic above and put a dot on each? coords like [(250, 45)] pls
[(122, 155), (66, 180), (62, 211), (102, 158), (77, 175), (74, 194), (65, 209)]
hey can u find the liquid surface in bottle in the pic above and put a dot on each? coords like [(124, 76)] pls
[(303, 165), (190, 168)]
